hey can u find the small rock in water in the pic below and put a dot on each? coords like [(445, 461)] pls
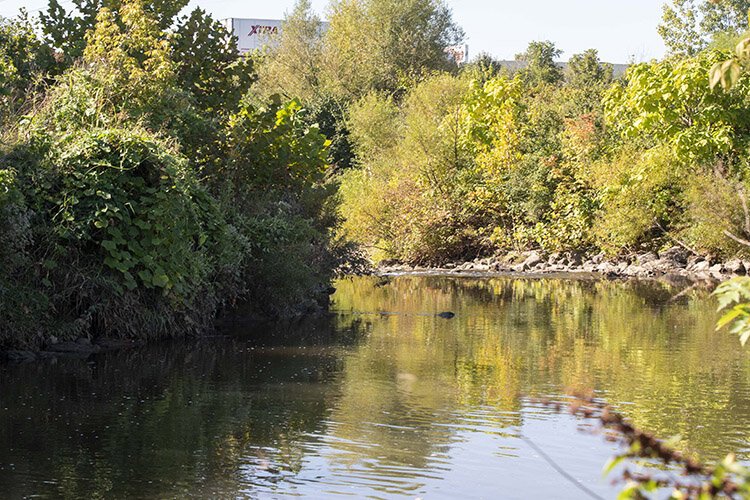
[(447, 315)]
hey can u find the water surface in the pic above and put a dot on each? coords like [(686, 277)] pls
[(383, 399)]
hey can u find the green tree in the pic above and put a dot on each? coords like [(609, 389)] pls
[(209, 65), (540, 63), (587, 70), (382, 44), (688, 26), (25, 63), (66, 30), (292, 67)]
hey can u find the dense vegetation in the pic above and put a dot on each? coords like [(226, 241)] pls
[(550, 160), (441, 163), (143, 189), (152, 176)]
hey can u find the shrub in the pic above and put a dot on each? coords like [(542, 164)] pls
[(639, 191)]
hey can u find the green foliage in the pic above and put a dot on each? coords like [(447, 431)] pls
[(734, 302), (638, 191), (586, 70), (688, 26), (379, 45), (25, 63), (67, 30), (540, 63), (273, 147), (209, 65), (670, 102), (141, 194)]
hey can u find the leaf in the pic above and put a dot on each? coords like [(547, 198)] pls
[(612, 463), (160, 280), (109, 245), (715, 75)]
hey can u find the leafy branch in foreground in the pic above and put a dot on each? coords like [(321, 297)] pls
[(657, 462), (734, 301)]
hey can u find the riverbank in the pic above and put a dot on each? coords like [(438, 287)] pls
[(242, 314), (674, 264)]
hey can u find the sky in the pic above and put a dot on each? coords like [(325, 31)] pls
[(622, 31)]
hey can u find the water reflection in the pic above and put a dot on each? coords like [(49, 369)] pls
[(383, 398)]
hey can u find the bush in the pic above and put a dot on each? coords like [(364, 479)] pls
[(125, 240), (639, 192), (714, 205)]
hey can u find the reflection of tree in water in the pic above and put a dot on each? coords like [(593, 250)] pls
[(168, 418), (368, 393), (536, 336)]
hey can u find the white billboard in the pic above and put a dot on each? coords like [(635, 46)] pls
[(253, 34)]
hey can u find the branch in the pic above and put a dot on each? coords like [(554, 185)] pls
[(743, 199), (682, 244), (736, 238)]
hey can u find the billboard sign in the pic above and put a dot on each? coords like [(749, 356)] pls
[(253, 34)]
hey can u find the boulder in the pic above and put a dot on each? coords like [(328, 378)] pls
[(533, 260), (716, 268), (647, 257), (700, 266), (736, 267), (676, 254)]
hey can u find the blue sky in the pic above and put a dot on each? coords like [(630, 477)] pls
[(622, 30)]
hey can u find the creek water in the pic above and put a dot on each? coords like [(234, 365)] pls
[(383, 398)]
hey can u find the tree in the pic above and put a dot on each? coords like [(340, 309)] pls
[(209, 65), (25, 61), (380, 44), (540, 63), (586, 70), (292, 67), (66, 31), (688, 26)]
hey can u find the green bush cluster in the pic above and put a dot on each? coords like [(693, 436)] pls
[(484, 161), (135, 203)]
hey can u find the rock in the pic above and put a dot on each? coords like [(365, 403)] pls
[(450, 265), (606, 268), (575, 259), (634, 270), (736, 267), (53, 340), (532, 260), (676, 254), (647, 257), (554, 258), (519, 268), (447, 315), (716, 268), (598, 259), (700, 266), (660, 265)]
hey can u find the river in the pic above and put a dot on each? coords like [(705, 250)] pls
[(383, 398)]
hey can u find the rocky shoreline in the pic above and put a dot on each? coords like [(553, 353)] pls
[(674, 263)]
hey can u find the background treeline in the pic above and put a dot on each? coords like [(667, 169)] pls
[(439, 163), (143, 187)]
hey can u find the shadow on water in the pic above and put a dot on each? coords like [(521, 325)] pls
[(382, 397)]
